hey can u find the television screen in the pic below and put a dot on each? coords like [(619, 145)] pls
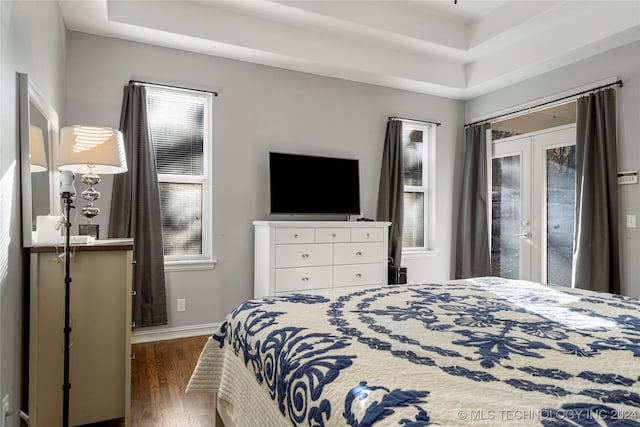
[(301, 184)]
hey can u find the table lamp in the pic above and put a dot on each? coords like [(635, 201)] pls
[(90, 150)]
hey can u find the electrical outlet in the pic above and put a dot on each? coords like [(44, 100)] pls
[(5, 410), (182, 304), (631, 221)]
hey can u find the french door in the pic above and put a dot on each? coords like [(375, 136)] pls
[(532, 180)]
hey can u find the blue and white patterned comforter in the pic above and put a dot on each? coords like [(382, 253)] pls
[(479, 352)]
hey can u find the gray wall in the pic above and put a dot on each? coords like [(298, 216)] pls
[(623, 62), (33, 41), (260, 109)]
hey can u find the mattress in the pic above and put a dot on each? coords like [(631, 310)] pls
[(484, 351)]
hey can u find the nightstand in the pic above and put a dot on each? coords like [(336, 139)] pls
[(100, 355)]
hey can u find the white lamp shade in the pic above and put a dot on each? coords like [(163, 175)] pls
[(84, 149), (37, 154)]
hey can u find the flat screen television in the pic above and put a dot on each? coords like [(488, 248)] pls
[(302, 184)]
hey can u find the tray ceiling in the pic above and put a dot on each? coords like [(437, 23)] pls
[(429, 46)]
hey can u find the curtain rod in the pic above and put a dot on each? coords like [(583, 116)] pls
[(139, 82), (595, 89), (414, 120)]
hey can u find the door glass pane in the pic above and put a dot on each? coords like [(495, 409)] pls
[(561, 199), (505, 217), (413, 225)]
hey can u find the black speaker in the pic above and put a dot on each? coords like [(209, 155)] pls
[(397, 275)]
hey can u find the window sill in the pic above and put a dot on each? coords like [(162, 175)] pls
[(191, 265), (419, 254)]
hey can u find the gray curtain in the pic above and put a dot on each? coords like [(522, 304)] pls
[(135, 211), (596, 258), (391, 191), (473, 257)]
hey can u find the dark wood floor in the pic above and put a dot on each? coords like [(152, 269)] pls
[(159, 375)]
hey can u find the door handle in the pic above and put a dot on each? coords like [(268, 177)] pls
[(523, 236)]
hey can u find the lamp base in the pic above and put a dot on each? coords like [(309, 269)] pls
[(89, 230)]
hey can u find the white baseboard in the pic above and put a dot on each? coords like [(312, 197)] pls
[(142, 335)]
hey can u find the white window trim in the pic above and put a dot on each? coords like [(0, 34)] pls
[(417, 254), (191, 265), (205, 261), (429, 176)]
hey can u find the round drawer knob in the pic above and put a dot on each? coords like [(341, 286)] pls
[(305, 255), (368, 234), (333, 234), (359, 275), (358, 253), (295, 236), (305, 279)]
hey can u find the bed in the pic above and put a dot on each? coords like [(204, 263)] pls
[(483, 351)]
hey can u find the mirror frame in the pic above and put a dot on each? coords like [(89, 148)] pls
[(29, 95)]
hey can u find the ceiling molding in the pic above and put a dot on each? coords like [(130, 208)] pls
[(426, 46)]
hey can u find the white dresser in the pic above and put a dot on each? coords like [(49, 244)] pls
[(294, 256)]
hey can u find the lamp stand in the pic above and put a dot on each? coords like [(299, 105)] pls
[(67, 197)]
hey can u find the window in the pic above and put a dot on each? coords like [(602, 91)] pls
[(180, 129), (417, 149)]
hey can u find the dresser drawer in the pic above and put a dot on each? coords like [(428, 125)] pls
[(301, 279), (358, 253), (367, 234), (304, 255), (332, 235), (359, 274), (294, 235)]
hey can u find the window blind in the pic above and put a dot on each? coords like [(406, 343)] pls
[(177, 121), (180, 131)]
